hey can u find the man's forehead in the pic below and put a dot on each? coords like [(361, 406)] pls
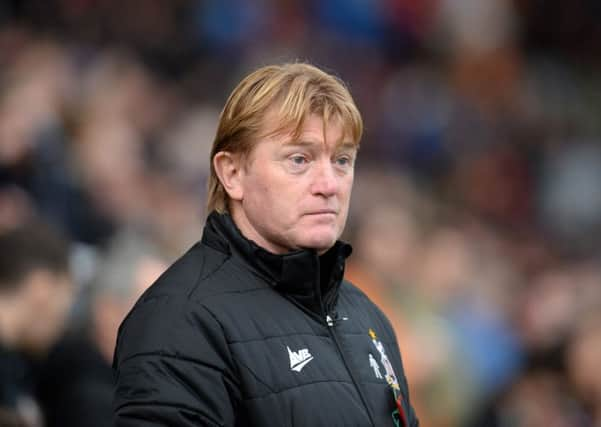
[(312, 130)]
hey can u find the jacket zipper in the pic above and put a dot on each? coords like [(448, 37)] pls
[(330, 323)]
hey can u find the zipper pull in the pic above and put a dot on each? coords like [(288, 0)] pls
[(329, 320)]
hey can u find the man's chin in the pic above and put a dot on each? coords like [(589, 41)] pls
[(319, 243)]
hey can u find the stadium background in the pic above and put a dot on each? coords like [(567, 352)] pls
[(477, 208)]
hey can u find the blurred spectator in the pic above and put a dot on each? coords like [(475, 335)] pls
[(35, 297), (582, 359), (15, 207), (77, 381), (570, 194), (539, 398)]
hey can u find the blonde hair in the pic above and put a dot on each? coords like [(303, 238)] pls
[(293, 92)]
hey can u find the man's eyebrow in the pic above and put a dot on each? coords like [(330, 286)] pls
[(346, 145)]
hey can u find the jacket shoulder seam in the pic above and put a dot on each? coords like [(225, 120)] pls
[(265, 338), (201, 278), (285, 389), (253, 374), (164, 355), (178, 406)]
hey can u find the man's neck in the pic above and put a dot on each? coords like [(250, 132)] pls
[(250, 233)]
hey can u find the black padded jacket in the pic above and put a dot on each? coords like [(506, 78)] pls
[(231, 335)]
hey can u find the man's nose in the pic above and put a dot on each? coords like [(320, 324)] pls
[(325, 181)]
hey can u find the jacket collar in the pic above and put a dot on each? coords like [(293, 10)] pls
[(301, 274)]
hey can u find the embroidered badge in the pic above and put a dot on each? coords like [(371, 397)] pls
[(374, 365), (390, 376), (398, 415)]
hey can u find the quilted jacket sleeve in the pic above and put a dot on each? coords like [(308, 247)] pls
[(173, 367)]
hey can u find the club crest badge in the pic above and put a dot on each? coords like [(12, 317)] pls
[(374, 365), (389, 375), (398, 416)]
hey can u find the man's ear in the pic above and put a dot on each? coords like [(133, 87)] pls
[(229, 170)]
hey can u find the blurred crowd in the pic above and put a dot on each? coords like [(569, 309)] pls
[(476, 213)]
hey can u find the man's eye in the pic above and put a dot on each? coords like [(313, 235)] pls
[(343, 161), (298, 159)]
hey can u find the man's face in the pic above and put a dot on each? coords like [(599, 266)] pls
[(295, 193), (45, 299)]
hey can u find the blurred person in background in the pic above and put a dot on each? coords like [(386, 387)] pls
[(582, 360), (77, 383), (255, 325), (35, 296)]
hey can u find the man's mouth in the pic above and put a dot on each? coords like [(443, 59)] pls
[(323, 212)]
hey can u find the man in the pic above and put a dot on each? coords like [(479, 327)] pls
[(255, 325), (35, 296)]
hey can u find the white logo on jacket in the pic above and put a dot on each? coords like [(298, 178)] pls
[(299, 359)]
